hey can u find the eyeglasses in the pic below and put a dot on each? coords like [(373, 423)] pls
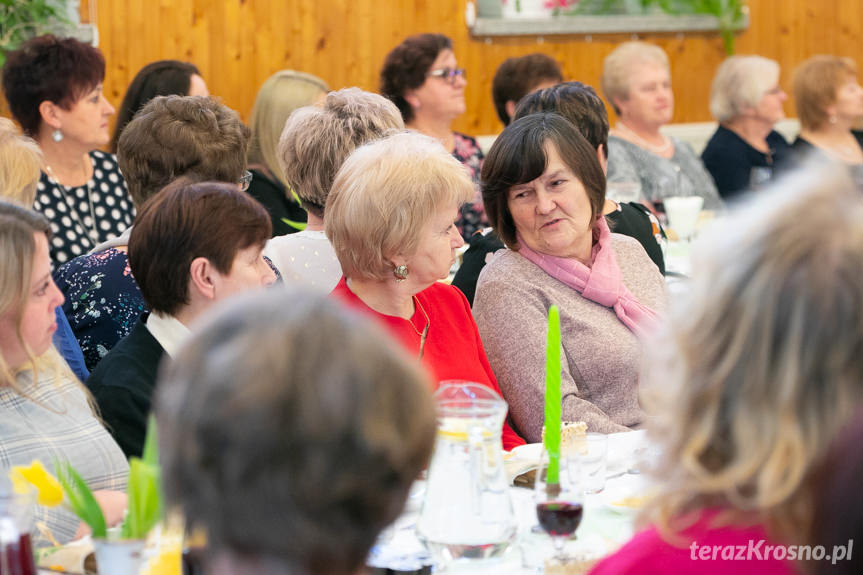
[(245, 181), (449, 74)]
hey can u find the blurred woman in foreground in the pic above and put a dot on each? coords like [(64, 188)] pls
[(749, 396)]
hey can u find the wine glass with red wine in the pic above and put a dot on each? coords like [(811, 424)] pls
[(559, 504)]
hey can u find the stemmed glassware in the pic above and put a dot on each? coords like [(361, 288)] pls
[(559, 504)]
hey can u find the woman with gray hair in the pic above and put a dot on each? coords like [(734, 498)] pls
[(746, 99), (391, 218), (314, 143), (754, 376), (636, 80), (298, 469)]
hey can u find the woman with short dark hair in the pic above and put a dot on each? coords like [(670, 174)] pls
[(192, 246), (421, 76), (544, 191), (54, 90)]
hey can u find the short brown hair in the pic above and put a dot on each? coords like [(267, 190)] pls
[(406, 66), (316, 140), (577, 103), (172, 136), (384, 194), (518, 156), (517, 77), (48, 68), (304, 463), (816, 82), (185, 221)]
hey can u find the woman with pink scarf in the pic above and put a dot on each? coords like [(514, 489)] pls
[(543, 190)]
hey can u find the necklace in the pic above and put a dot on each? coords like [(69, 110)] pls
[(91, 230), (621, 127), (425, 330)]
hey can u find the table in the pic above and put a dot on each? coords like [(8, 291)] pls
[(603, 528)]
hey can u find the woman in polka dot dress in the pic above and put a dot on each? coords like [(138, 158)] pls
[(54, 90)]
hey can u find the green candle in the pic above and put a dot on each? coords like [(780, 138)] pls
[(552, 396)]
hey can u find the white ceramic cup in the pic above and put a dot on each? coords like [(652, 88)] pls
[(682, 213)]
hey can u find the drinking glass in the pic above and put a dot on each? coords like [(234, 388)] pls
[(589, 463), (559, 505)]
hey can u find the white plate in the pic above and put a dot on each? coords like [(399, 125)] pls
[(621, 495)]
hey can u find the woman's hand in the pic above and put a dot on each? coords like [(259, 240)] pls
[(113, 504)]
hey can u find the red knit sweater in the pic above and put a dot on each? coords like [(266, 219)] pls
[(453, 349)]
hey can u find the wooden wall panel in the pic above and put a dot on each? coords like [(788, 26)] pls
[(237, 44)]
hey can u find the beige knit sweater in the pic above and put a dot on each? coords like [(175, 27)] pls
[(601, 357)]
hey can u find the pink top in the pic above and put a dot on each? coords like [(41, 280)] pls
[(702, 550)]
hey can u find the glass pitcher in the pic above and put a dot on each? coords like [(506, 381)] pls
[(467, 512)]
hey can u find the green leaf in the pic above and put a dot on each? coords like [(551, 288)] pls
[(144, 491), (296, 225), (81, 499)]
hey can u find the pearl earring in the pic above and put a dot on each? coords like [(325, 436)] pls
[(57, 136), (833, 119)]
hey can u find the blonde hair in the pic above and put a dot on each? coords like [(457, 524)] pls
[(617, 68), (20, 164), (18, 225), (383, 195), (816, 82), (279, 96), (763, 362), (317, 139), (740, 83)]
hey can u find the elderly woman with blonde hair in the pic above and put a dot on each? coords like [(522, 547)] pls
[(391, 218), (829, 101), (748, 396), (746, 99), (281, 94), (636, 81)]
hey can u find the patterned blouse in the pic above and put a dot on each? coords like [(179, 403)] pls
[(472, 217), (84, 216), (103, 301), (54, 422)]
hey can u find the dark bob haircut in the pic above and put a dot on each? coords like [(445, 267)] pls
[(576, 102), (518, 156), (517, 77), (47, 68), (161, 78), (405, 68), (187, 221)]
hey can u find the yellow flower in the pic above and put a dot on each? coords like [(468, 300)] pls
[(50, 492)]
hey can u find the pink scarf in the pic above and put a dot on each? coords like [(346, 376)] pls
[(601, 283)]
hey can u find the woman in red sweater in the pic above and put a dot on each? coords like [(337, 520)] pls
[(391, 217)]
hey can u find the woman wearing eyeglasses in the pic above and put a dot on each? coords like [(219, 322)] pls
[(421, 76)]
